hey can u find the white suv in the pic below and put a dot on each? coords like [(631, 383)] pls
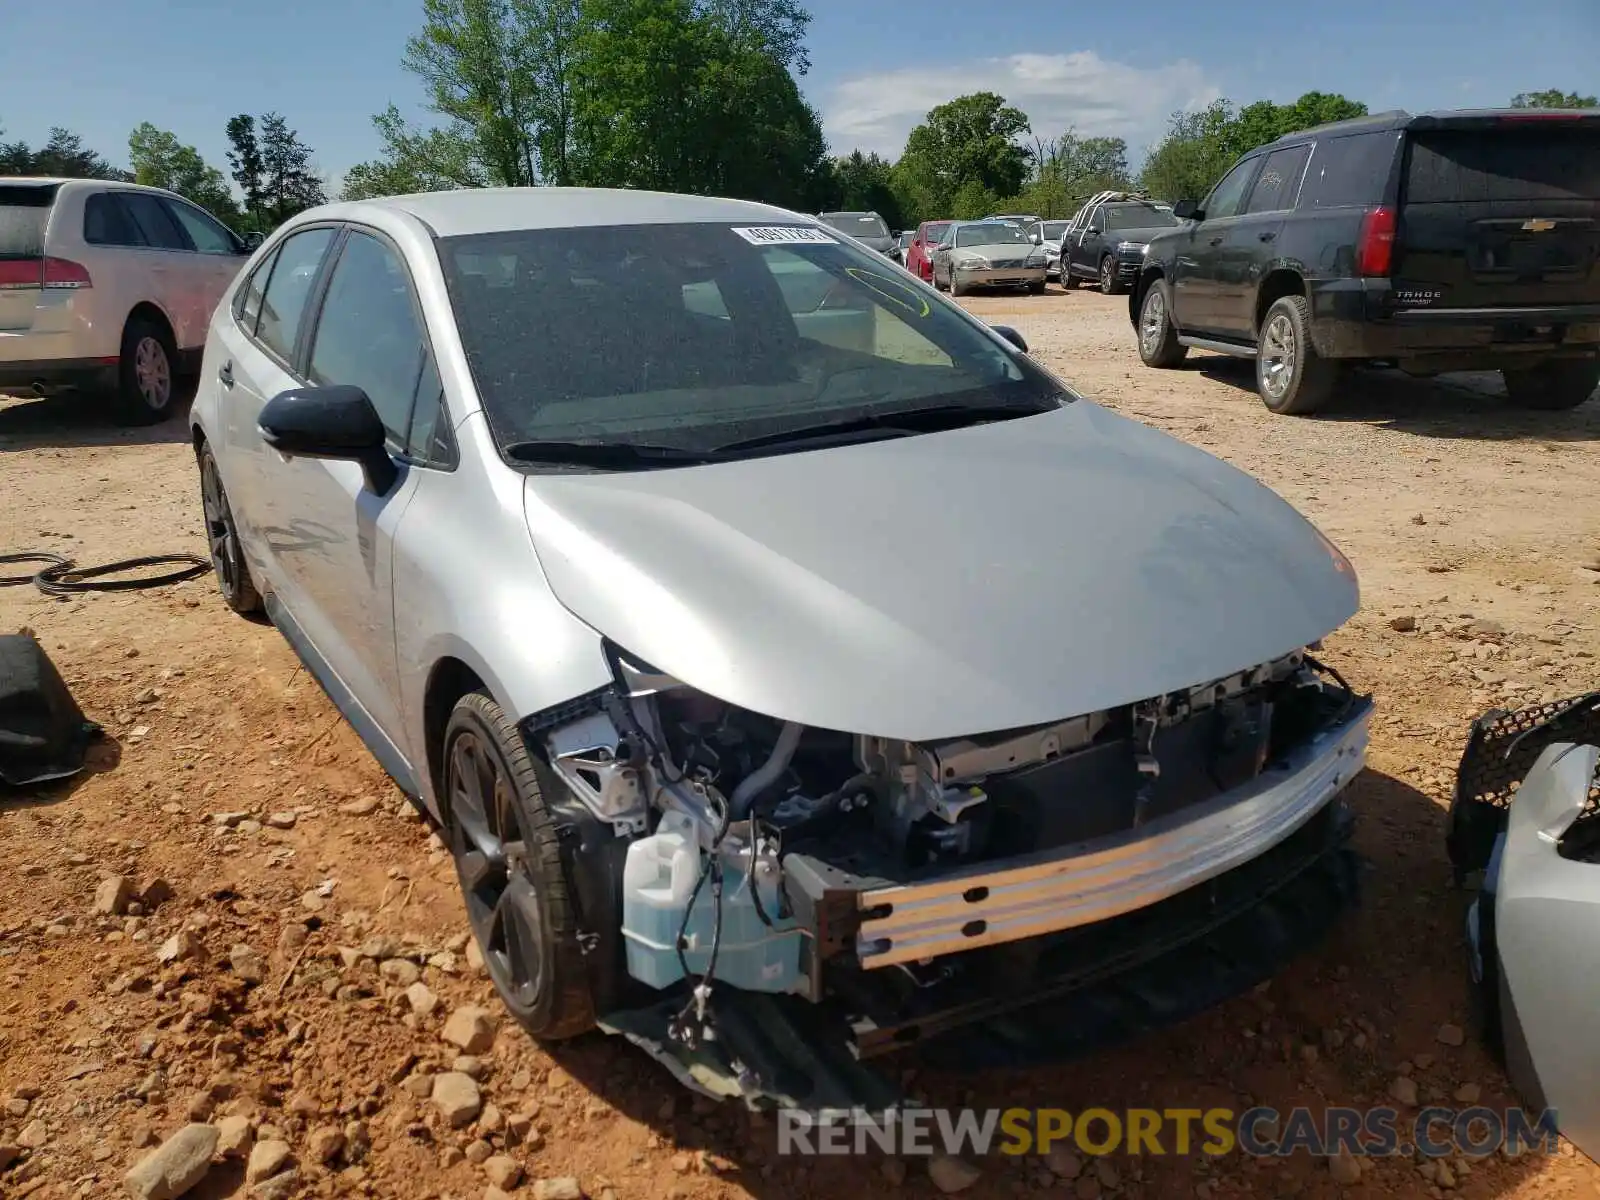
[(107, 286)]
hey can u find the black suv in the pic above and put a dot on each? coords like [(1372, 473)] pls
[(1455, 241), (1105, 241)]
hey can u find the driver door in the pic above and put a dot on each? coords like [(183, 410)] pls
[(1197, 305)]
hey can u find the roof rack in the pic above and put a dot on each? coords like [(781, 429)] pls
[(1114, 195)]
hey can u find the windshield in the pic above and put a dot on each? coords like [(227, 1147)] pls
[(697, 335), (1137, 216), (995, 233), (861, 225), (935, 233), (1055, 230)]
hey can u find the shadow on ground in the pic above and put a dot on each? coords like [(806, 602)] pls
[(1467, 405), (1333, 1028), (84, 419)]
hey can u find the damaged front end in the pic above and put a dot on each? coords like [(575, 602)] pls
[(1525, 820), (792, 901)]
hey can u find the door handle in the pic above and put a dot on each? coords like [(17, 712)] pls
[(1268, 235), (1216, 241), (225, 374)]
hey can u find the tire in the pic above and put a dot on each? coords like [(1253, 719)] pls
[(1036, 289), (1158, 337), (1108, 276), (1069, 281), (146, 373), (957, 288), (1291, 378), (517, 901), (1552, 386), (227, 555), (937, 286)]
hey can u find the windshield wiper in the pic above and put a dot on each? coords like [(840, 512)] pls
[(621, 455), (894, 423)]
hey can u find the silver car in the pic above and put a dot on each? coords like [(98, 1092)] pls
[(776, 644), (974, 254)]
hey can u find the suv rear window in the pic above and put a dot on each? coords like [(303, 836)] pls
[(1352, 170), (1517, 163), (24, 209)]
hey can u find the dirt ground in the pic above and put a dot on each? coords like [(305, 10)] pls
[(227, 775)]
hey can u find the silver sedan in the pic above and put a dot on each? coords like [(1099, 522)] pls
[(682, 558), (975, 254)]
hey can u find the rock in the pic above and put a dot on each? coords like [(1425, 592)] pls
[(33, 1135), (175, 1166), (401, 972), (266, 1159), (474, 957), (469, 1064), (17, 1106), (361, 807), (9, 1153), (1344, 1167), (1063, 1162), (1486, 629), (154, 893), (479, 1152), (1403, 624), (951, 1175), (1443, 1175), (562, 1187), (1087, 1188), (1404, 1090), (503, 1171), (1424, 1061), (247, 963), (380, 946), (278, 1187), (1468, 1093), (281, 820), (180, 947), (1106, 1172), (419, 1085), (236, 1137), (469, 1029), (422, 1000), (457, 1098), (228, 820), (324, 1144), (1450, 1035), (894, 1170), (491, 1120), (113, 895), (493, 1193)]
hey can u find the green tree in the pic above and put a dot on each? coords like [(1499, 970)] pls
[(971, 139), (774, 27), (433, 160), (865, 183), (288, 183), (63, 155), (160, 160), (249, 172), (1553, 98), (972, 201)]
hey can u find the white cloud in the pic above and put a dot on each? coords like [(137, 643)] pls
[(1081, 91)]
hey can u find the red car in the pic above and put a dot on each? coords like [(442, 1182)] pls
[(919, 259)]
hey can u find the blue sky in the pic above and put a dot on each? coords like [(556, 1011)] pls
[(1104, 66)]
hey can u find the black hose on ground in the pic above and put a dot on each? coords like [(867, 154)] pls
[(62, 577)]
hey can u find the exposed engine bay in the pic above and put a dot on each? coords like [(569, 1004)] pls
[(886, 876)]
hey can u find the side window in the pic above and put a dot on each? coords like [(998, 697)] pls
[(207, 236), (247, 297), (107, 223), (430, 440), (1097, 223), (1279, 181), (369, 333), (283, 301), (1227, 196), (154, 221)]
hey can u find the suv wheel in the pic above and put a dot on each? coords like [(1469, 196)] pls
[(508, 859), (1291, 377), (227, 556), (1108, 277), (146, 378), (1158, 338), (1552, 386)]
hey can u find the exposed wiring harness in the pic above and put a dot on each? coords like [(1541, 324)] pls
[(60, 576), (692, 1032)]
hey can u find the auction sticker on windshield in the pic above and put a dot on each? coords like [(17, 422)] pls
[(773, 235)]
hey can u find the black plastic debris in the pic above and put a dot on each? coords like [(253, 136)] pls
[(43, 733)]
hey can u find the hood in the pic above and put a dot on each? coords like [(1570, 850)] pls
[(999, 250), (946, 584)]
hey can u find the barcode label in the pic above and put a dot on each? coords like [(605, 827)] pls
[(777, 235)]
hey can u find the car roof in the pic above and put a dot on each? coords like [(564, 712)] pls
[(1399, 118), (499, 210), (59, 180)]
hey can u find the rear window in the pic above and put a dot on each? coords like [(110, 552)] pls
[(1349, 171), (1517, 163), (24, 209)]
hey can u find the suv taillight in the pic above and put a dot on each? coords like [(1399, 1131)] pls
[(63, 273), (1375, 244)]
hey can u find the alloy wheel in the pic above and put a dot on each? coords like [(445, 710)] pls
[(1107, 276), (1154, 323), (491, 850), (1278, 356), (152, 372), (220, 532)]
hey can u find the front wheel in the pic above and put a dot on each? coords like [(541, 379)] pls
[(1158, 338), (1291, 377), (1069, 281), (227, 555), (1552, 386), (957, 288), (508, 859), (1036, 288), (1108, 277)]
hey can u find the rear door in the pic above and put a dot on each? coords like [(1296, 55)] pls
[(201, 277), (1501, 213), (24, 213), (1249, 243)]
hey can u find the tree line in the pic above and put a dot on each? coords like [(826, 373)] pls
[(698, 96)]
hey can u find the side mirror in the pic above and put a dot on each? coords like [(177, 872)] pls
[(336, 421), (1188, 210), (1012, 336)]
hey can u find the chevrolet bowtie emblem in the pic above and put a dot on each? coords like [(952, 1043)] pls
[(1538, 225)]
